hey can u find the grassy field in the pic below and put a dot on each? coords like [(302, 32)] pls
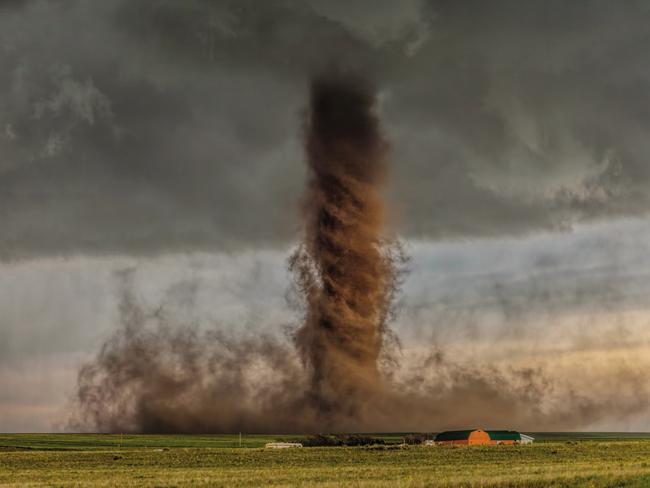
[(560, 459)]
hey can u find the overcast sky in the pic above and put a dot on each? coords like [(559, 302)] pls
[(164, 137)]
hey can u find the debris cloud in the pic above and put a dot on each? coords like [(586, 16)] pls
[(163, 379), (331, 373)]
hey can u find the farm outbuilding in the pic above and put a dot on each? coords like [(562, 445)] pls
[(478, 436), (282, 445)]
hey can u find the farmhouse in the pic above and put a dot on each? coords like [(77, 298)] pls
[(478, 436)]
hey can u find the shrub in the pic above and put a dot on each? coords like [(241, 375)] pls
[(321, 440), (359, 440), (417, 438)]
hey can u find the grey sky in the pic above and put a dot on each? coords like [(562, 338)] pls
[(164, 136), (120, 117)]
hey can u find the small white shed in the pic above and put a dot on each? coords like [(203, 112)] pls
[(526, 439), (282, 445)]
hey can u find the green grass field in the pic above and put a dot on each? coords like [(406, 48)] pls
[(558, 459)]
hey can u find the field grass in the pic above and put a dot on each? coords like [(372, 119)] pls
[(598, 460), (85, 442)]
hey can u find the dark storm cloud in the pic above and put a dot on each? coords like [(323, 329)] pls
[(520, 115), (110, 144), (147, 126)]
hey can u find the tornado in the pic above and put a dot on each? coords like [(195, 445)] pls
[(155, 374), (344, 265)]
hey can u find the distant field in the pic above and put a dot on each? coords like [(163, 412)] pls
[(112, 441), (560, 459), (116, 441)]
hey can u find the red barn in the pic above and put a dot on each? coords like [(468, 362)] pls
[(478, 436)]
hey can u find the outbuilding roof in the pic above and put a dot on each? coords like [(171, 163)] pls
[(454, 435), (504, 435)]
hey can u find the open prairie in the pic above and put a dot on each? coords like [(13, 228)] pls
[(596, 460)]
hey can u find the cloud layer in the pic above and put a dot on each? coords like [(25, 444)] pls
[(146, 127)]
